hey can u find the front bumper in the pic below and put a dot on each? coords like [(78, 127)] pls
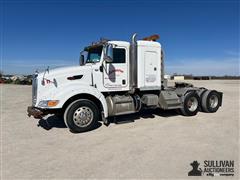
[(35, 112)]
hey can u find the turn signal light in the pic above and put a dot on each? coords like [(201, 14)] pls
[(52, 103)]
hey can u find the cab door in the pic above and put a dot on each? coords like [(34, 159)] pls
[(115, 74)]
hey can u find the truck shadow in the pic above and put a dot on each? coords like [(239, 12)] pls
[(58, 122), (51, 122), (145, 114)]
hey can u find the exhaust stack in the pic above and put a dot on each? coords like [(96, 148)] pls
[(133, 63)]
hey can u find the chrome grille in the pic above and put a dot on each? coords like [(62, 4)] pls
[(34, 90)]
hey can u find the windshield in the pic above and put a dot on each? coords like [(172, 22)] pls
[(94, 54)]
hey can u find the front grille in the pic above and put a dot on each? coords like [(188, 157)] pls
[(34, 90)]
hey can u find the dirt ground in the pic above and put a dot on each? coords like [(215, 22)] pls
[(158, 144)]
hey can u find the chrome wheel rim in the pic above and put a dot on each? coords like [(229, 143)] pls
[(213, 101), (83, 116), (192, 104)]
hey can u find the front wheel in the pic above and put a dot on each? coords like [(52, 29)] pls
[(81, 115), (190, 104)]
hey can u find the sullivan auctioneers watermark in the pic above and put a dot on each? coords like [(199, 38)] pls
[(212, 168)]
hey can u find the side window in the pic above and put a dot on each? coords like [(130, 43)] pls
[(119, 55)]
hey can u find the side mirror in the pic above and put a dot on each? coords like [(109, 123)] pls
[(108, 55), (81, 60), (83, 57)]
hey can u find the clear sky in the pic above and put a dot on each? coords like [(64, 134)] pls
[(199, 37)]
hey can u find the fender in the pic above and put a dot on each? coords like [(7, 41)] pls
[(185, 90), (66, 92)]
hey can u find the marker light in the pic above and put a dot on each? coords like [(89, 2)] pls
[(154, 37)]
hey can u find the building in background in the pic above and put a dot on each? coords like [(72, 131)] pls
[(166, 76), (178, 78)]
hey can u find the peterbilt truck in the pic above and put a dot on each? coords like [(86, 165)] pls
[(115, 78)]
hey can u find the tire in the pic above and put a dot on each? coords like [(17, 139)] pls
[(191, 104), (211, 101), (81, 115)]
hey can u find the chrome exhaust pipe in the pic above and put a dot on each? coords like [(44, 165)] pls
[(133, 63)]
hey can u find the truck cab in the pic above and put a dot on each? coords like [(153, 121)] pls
[(115, 75), (114, 78), (108, 75)]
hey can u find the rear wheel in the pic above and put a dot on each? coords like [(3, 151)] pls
[(210, 101), (190, 104), (81, 115)]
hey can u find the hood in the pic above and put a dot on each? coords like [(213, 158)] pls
[(60, 76), (62, 70)]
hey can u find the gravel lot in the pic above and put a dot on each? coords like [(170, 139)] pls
[(157, 145)]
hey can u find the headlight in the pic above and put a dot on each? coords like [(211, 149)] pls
[(48, 103)]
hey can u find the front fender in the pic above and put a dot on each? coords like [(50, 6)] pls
[(65, 93)]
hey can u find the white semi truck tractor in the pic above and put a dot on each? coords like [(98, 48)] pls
[(115, 78)]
